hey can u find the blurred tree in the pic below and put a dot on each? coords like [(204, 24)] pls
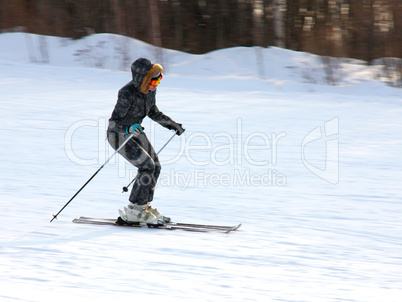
[(364, 29)]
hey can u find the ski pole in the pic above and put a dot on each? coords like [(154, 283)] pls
[(121, 146), (125, 189)]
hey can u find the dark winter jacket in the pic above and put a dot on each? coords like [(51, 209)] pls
[(135, 101)]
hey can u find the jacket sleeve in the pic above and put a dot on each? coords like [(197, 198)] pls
[(159, 117), (120, 111)]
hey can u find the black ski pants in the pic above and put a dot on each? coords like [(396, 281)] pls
[(140, 153)]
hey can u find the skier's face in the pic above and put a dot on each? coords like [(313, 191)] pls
[(155, 82)]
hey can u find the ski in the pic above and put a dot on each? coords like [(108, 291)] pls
[(165, 226)]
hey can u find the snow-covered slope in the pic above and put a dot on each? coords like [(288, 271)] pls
[(312, 171), (278, 68)]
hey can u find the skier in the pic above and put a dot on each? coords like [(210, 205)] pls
[(135, 101)]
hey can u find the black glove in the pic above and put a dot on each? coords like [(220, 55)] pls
[(177, 127)]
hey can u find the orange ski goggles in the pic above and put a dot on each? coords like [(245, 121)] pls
[(156, 80)]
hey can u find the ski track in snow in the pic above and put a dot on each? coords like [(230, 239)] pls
[(305, 240)]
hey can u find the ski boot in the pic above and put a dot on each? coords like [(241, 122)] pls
[(157, 213), (137, 214)]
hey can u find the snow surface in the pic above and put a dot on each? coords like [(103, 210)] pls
[(312, 171)]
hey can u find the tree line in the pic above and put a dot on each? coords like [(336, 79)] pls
[(362, 29)]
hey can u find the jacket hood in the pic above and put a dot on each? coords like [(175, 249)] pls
[(142, 71)]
